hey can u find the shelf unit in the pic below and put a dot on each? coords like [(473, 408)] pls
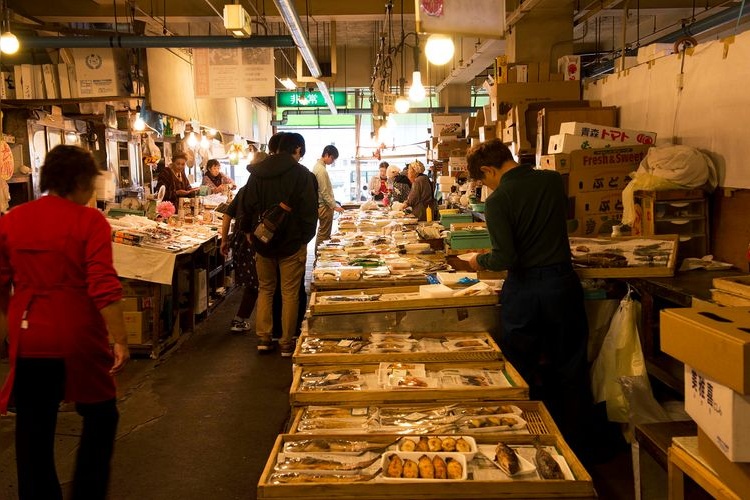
[(681, 211)]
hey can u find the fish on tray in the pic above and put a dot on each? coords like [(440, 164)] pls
[(507, 459), (311, 463), (296, 478), (546, 465), (352, 298)]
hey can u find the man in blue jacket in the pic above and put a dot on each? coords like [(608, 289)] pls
[(276, 181)]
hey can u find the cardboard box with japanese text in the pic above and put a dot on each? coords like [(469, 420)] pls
[(137, 327), (716, 342), (595, 224), (720, 412), (608, 132), (551, 117), (559, 163), (736, 475)]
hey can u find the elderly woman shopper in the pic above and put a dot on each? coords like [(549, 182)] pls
[(400, 184), (420, 197), (215, 179), (56, 256)]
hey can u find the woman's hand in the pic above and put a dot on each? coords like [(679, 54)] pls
[(122, 355), (474, 263), (224, 248)]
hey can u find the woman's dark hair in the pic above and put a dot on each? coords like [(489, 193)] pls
[(492, 153), (210, 163), (274, 141), (66, 169), (179, 156), (290, 142)]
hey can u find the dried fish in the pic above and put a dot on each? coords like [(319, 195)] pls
[(455, 469), (449, 444), (411, 469), (426, 469), (441, 469), (296, 477), (352, 298), (507, 459), (463, 445), (423, 444), (395, 467), (546, 465), (312, 463)]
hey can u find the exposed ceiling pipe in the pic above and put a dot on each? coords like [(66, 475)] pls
[(365, 111), (729, 15), (292, 20), (166, 42)]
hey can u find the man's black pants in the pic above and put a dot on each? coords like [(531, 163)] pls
[(544, 336)]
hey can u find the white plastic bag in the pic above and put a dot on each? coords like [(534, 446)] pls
[(620, 356)]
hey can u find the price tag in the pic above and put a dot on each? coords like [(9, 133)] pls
[(345, 343), (413, 417), (359, 412), (332, 376)]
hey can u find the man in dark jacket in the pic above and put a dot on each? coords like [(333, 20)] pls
[(544, 331), (280, 179)]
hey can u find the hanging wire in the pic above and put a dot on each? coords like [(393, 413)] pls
[(739, 16)]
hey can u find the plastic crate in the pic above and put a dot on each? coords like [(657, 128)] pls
[(448, 219)]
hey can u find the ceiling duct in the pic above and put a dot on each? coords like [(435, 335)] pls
[(292, 20), (166, 42), (483, 58)]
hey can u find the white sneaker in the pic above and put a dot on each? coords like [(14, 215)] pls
[(240, 326)]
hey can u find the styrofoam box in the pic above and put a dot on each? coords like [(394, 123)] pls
[(618, 135), (720, 412)]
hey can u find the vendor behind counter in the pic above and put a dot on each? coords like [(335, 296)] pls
[(175, 181)]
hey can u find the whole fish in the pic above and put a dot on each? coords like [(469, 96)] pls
[(547, 466), (506, 458)]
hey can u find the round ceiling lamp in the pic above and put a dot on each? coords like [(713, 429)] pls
[(402, 104), (439, 49), (8, 43)]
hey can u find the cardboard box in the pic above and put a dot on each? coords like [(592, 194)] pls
[(626, 157), (736, 475), (595, 225), (570, 67), (447, 124), (137, 327), (509, 135), (556, 77), (720, 412), (509, 94), (100, 72), (559, 163), (501, 69), (470, 128), (610, 133), (7, 86), (27, 82), (445, 150), (131, 304), (550, 118), (566, 143), (489, 116), (590, 180), (716, 342), (136, 288), (487, 132), (600, 202), (523, 73)]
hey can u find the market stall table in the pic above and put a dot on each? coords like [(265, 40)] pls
[(685, 460)]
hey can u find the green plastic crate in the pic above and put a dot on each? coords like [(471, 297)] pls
[(470, 239), (448, 219)]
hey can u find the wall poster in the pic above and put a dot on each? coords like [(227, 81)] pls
[(240, 72)]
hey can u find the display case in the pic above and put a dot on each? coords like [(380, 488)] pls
[(124, 160), (46, 133), (481, 478), (375, 383), (336, 349)]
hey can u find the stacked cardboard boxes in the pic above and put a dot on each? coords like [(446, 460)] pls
[(714, 344), (137, 310), (595, 179)]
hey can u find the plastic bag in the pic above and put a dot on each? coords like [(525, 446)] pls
[(620, 356)]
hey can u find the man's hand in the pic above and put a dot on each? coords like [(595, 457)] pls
[(474, 263), (338, 208), (122, 355)]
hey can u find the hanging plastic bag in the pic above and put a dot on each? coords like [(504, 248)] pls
[(620, 356)]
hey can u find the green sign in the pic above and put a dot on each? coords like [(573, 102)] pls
[(308, 99)]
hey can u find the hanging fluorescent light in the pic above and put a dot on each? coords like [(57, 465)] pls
[(401, 104), (417, 92), (439, 49), (288, 83)]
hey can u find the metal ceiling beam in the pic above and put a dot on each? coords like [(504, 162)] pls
[(167, 42), (292, 20)]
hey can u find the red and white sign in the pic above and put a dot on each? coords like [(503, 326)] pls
[(611, 134), (432, 7)]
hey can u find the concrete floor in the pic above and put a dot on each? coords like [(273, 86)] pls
[(201, 422)]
